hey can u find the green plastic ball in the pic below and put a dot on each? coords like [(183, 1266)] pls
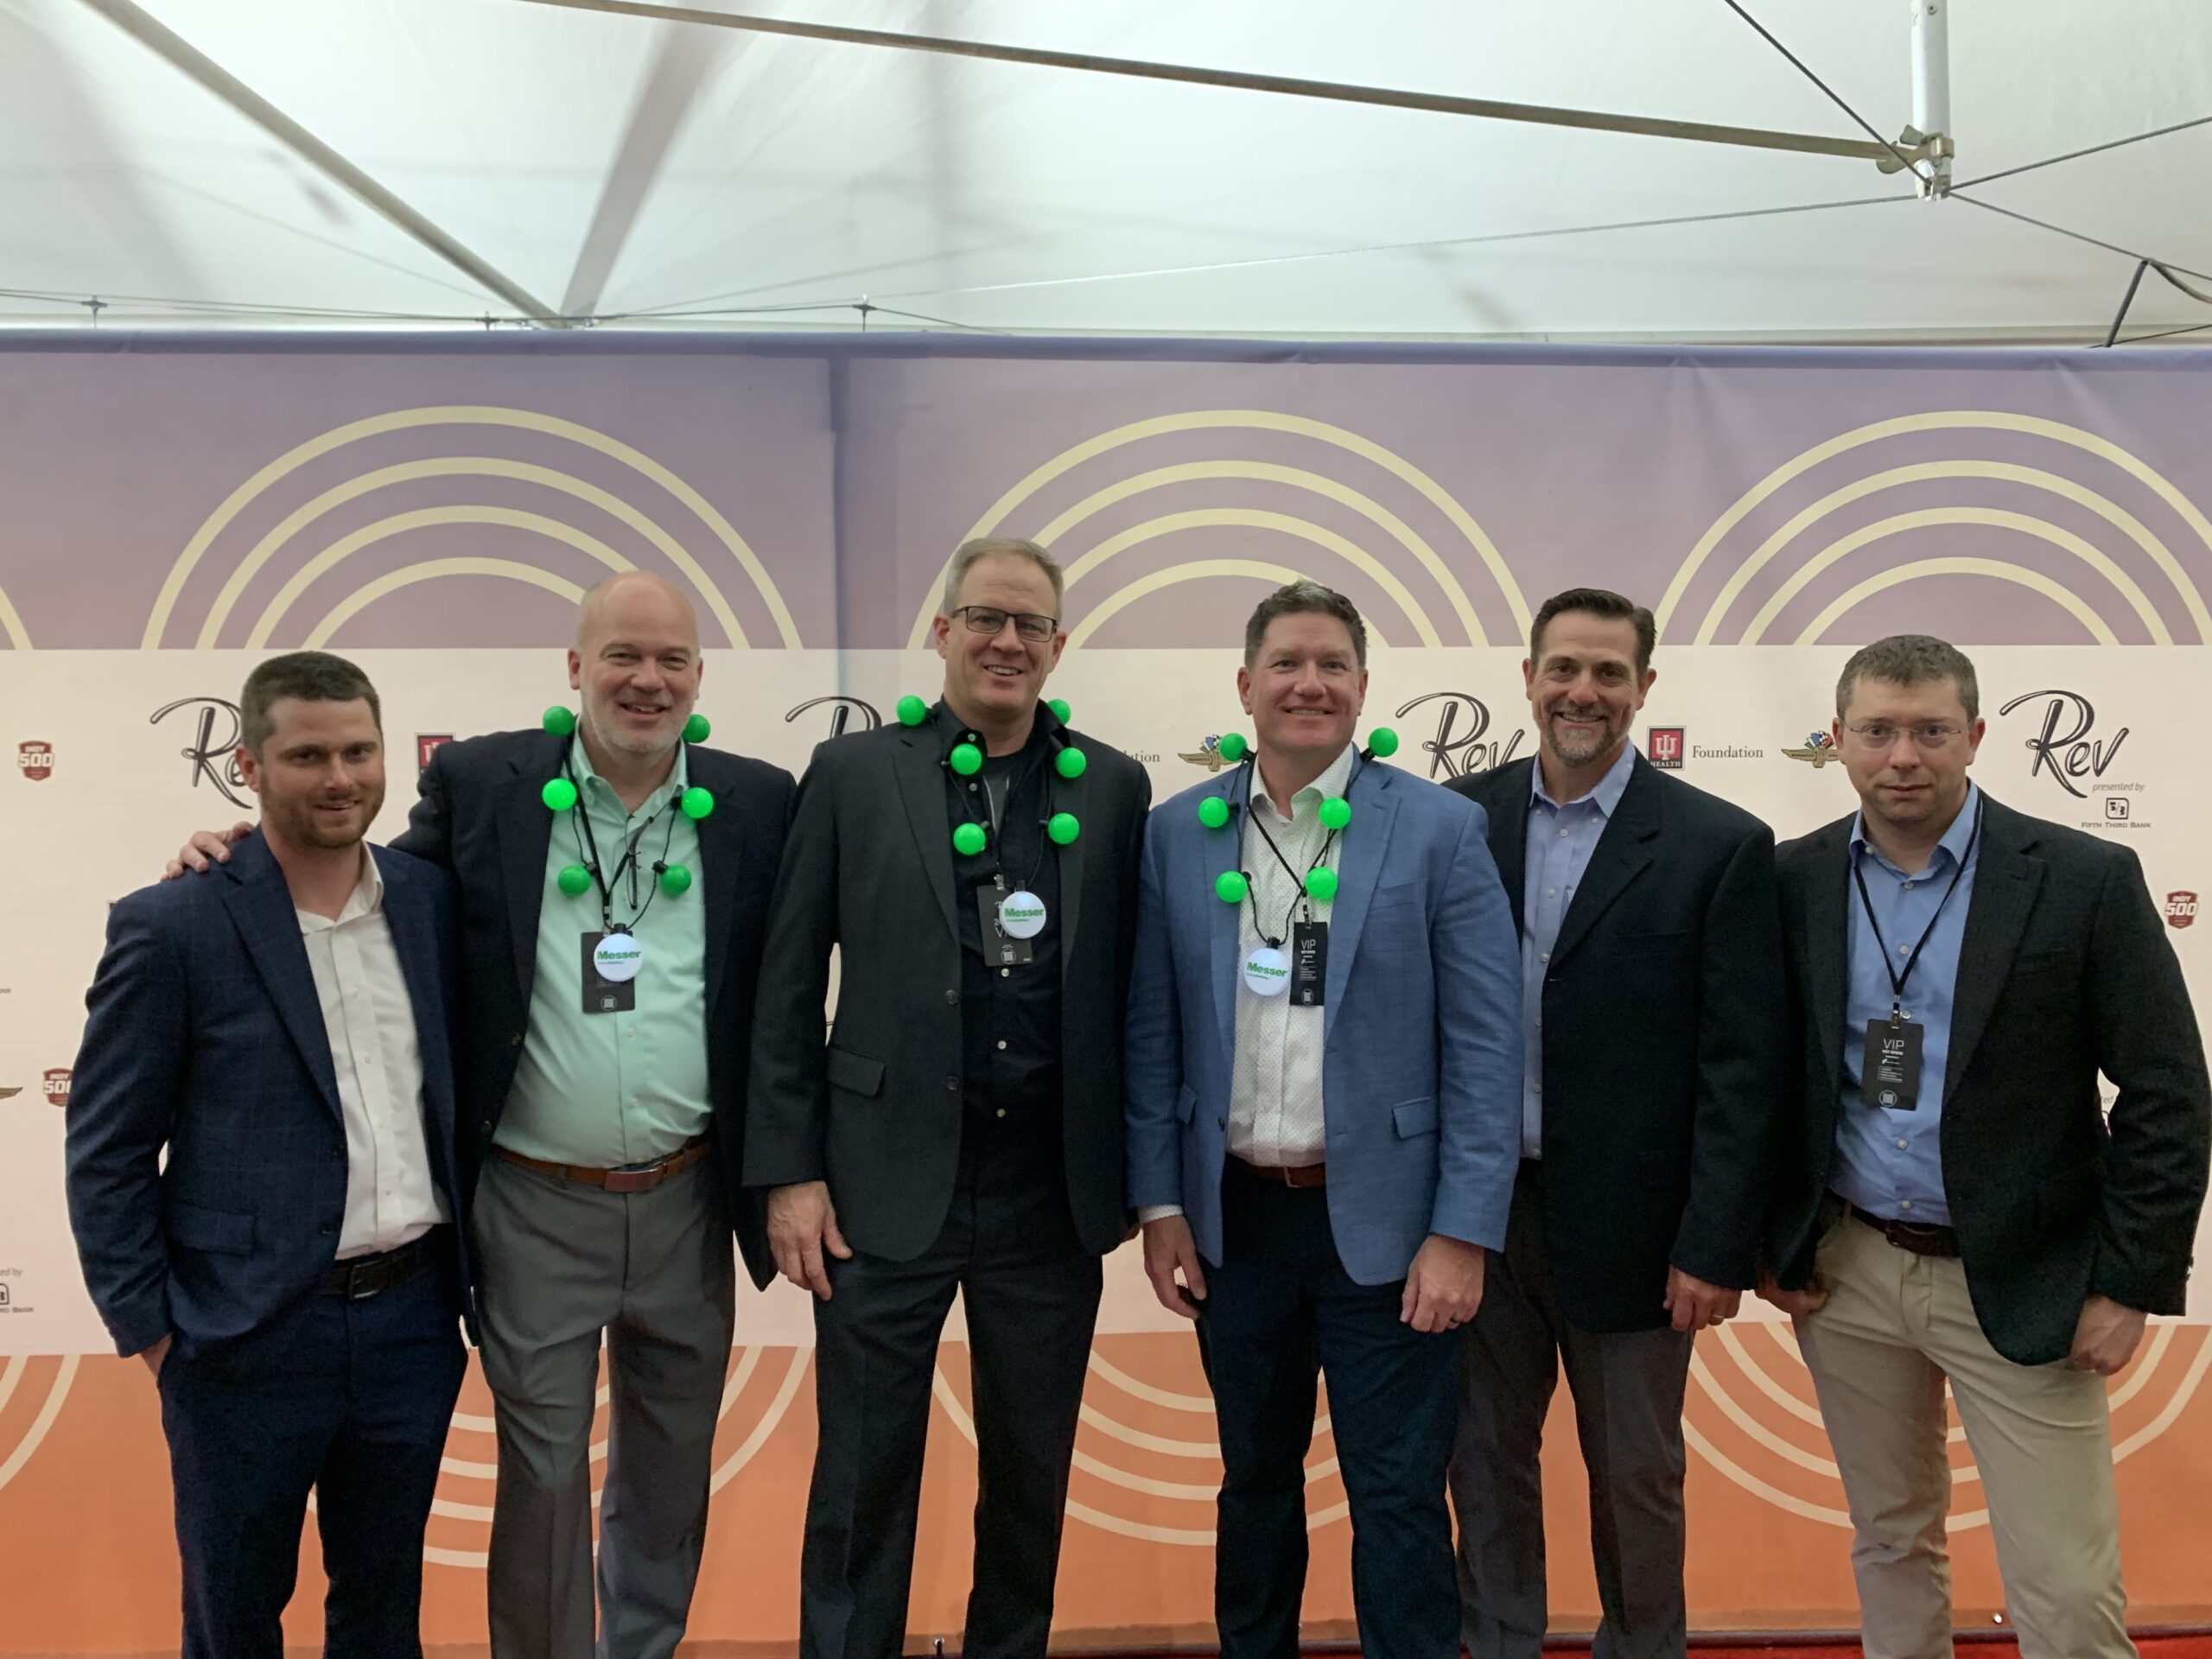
[(1059, 707), (1231, 746), (1213, 812), (1071, 763), (968, 840), (697, 801), (1336, 812), (573, 879), (562, 722), (698, 729), (674, 879), (1381, 742), (559, 794), (1321, 884), (967, 760), (912, 711), (1231, 886), (1063, 828)]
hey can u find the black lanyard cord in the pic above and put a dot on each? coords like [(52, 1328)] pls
[(580, 827), (1298, 881), (1897, 979)]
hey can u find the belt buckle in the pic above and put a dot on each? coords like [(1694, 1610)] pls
[(638, 1178), (365, 1280)]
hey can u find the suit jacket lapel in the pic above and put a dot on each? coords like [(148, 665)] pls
[(1080, 798), (921, 788), (1362, 848), (721, 854), (1508, 842), (2006, 882), (1828, 947), (415, 939), (261, 908), (525, 830), (1622, 853)]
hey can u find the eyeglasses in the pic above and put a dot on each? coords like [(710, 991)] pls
[(1927, 738), (989, 618)]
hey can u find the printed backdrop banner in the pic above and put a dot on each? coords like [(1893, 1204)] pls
[(175, 509)]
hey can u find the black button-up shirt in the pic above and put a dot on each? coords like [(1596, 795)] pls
[(1009, 1015)]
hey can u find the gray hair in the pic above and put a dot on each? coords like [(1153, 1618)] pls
[(1299, 598), (1910, 659), (984, 547)]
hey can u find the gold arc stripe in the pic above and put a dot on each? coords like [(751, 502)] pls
[(2162, 1338), (1757, 1430), (1266, 421), (1259, 472), (1146, 1391), (1195, 571), (422, 518), (2005, 472), (17, 635), (771, 1420), (461, 414), (432, 570), (1980, 517), (463, 467), (1766, 1385), (2172, 1410), (10, 1376), (1262, 518), (1955, 419), (56, 1392), (1788, 1502), (2031, 579)]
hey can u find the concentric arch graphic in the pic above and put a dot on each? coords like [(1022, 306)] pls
[(1391, 553), (1751, 1415), (298, 524), (1138, 1447), (2173, 595), (25, 1379)]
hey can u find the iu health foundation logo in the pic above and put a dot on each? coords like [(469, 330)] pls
[(1662, 747)]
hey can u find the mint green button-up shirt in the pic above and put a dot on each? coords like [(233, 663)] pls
[(605, 1089)]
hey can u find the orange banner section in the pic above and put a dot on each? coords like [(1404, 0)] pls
[(86, 1527)]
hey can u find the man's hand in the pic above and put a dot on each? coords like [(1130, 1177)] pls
[(2106, 1337), (154, 1355), (802, 1223), (1169, 1249), (1443, 1287), (1695, 1304), (206, 847), (1795, 1303)]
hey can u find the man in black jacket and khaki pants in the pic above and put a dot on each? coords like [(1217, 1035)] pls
[(1953, 1203)]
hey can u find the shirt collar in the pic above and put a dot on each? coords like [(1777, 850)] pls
[(1606, 796), (365, 900), (1955, 842), (1333, 781), (679, 779), (1043, 723)]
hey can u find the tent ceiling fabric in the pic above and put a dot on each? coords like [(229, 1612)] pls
[(654, 171)]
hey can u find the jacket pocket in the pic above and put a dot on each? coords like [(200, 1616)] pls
[(1413, 1117), (855, 1074), (222, 1230)]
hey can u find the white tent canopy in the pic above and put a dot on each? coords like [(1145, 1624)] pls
[(638, 171)]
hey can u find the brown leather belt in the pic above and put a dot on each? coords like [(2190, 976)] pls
[(1285, 1174), (631, 1177), (1922, 1238)]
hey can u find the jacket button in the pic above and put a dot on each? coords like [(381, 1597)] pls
[(485, 1127), (515, 1041), (329, 1228), (952, 996), (338, 1151), (953, 1085)]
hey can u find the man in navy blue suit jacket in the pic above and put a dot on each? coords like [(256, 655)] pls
[(1323, 1083), (291, 1274)]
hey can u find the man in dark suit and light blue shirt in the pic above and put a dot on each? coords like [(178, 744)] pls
[(1954, 1205), (1650, 955), (291, 1274), (1323, 1064)]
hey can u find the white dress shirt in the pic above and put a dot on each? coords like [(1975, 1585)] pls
[(390, 1197)]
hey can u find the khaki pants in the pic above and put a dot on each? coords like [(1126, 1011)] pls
[(1895, 1327)]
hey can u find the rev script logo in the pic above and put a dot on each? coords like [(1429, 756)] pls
[(1462, 744), (2181, 909), (212, 751), (1820, 749), (1662, 747), (2063, 748), (34, 760), (843, 711)]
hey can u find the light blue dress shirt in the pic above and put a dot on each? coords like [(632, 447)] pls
[(1890, 1163), (1560, 840)]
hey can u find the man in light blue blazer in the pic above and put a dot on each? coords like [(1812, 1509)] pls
[(1323, 1072)]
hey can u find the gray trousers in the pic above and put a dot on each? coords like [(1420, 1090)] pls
[(1628, 1415), (558, 1264)]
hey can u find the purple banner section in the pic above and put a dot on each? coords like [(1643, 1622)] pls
[(455, 492)]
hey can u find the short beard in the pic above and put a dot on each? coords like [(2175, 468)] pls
[(1597, 745), (646, 748)]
